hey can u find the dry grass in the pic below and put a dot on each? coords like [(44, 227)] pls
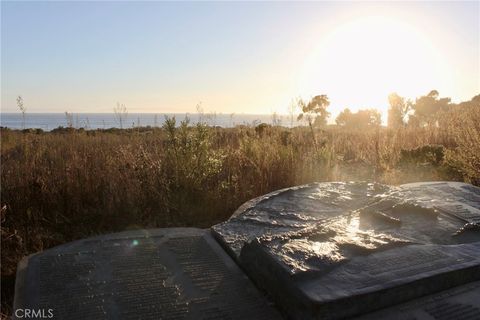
[(61, 186)]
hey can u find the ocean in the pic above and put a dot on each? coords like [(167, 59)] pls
[(50, 121)]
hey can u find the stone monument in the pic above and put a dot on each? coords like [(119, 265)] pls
[(318, 251), (337, 250)]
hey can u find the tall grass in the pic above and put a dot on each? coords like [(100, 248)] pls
[(70, 184)]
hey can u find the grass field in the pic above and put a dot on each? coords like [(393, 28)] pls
[(69, 184)]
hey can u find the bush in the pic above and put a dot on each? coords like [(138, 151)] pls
[(424, 155)]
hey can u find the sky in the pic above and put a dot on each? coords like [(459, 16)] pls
[(234, 57)]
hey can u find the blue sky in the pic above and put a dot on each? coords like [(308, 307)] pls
[(245, 57)]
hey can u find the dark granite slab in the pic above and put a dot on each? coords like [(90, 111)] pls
[(335, 250), (144, 274)]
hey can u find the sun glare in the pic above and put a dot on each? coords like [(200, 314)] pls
[(362, 61)]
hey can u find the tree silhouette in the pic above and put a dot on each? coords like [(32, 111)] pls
[(359, 120), (398, 110), (344, 118), (315, 112), (368, 118), (427, 109)]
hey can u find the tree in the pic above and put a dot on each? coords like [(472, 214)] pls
[(398, 110), (315, 112), (427, 108), (359, 120), (368, 118), (344, 118)]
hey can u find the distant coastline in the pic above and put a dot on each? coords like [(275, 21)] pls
[(50, 121)]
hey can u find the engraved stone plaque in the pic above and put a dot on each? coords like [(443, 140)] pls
[(145, 274)]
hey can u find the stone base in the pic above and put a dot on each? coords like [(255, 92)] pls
[(364, 283), (461, 302)]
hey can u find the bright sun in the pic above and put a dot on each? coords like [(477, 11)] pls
[(361, 62)]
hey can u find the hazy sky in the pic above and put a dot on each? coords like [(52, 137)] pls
[(234, 57)]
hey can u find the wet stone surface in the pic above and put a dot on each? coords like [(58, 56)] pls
[(331, 250), (297, 211)]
